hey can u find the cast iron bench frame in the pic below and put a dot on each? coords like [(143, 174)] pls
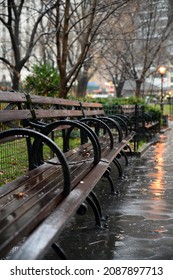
[(143, 123)]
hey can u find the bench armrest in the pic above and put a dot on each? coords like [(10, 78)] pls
[(39, 139), (83, 129), (98, 124)]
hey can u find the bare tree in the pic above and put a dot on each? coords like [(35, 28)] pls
[(114, 65), (21, 21), (153, 33), (137, 43), (74, 24), (77, 28)]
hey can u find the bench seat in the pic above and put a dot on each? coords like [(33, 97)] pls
[(49, 230)]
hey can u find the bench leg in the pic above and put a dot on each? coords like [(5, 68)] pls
[(97, 202), (118, 165), (59, 251), (82, 209), (136, 143), (126, 148), (108, 176), (95, 211), (126, 157), (122, 153)]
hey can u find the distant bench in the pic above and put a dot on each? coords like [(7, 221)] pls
[(36, 205), (145, 124)]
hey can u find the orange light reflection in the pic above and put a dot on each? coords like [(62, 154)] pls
[(157, 185)]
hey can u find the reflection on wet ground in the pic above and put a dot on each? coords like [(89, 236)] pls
[(140, 223)]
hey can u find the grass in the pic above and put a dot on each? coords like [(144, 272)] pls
[(13, 160), (167, 108), (14, 157)]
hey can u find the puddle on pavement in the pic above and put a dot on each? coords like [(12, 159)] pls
[(140, 222)]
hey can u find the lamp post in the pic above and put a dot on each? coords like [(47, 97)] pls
[(162, 71)]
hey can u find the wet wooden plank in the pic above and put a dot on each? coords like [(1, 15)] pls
[(41, 195), (12, 97), (14, 115), (35, 247), (40, 100), (48, 114)]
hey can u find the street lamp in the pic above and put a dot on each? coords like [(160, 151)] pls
[(162, 71)]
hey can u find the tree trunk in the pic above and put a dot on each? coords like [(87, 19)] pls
[(119, 88), (63, 89), (15, 80), (138, 88), (82, 86)]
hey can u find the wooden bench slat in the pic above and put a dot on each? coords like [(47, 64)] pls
[(12, 97), (37, 99), (21, 195), (92, 105), (22, 183), (26, 215), (93, 112), (14, 115), (40, 113), (110, 155), (59, 218)]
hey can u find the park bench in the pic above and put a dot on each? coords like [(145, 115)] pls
[(36, 205), (143, 123), (87, 112)]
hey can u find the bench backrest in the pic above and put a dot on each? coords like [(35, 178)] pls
[(20, 106), (23, 107), (13, 107), (92, 109), (52, 107)]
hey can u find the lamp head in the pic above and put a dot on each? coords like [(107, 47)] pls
[(162, 70)]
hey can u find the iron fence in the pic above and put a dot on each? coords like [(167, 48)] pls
[(13, 159)]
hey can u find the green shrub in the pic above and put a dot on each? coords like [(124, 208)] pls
[(44, 80), (110, 101), (116, 101), (153, 111)]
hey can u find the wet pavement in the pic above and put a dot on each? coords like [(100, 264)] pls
[(140, 219)]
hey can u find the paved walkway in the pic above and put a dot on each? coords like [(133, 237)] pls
[(140, 224)]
